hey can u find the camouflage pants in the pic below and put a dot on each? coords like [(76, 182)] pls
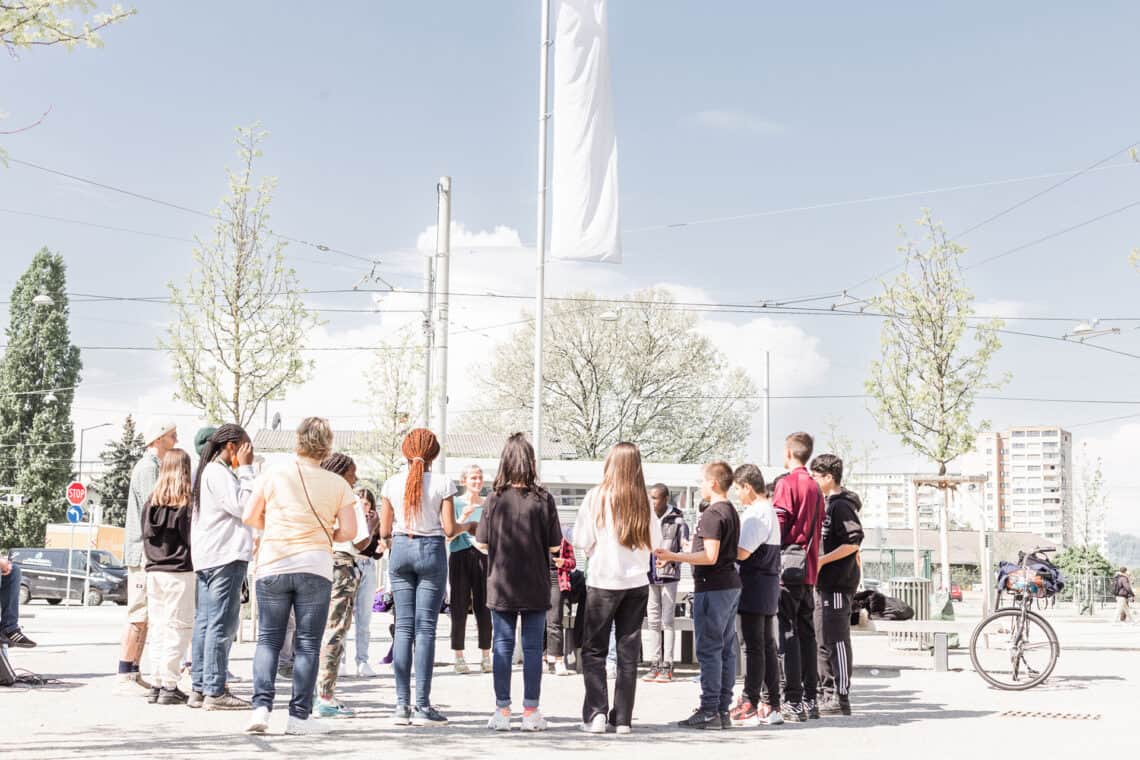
[(346, 579)]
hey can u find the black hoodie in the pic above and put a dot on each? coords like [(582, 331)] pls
[(166, 539), (841, 526)]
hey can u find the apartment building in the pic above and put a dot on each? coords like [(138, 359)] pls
[(886, 500), (1030, 485)]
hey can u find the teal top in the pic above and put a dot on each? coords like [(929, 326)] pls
[(464, 540)]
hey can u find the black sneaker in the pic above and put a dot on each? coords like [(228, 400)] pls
[(708, 721), (835, 706), (173, 696), (152, 695), (811, 707), (793, 712), (725, 720), (16, 638)]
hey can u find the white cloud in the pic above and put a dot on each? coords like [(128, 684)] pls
[(736, 121), (1002, 308)]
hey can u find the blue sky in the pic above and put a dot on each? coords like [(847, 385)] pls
[(722, 109)]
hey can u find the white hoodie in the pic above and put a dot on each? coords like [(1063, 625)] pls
[(611, 565)]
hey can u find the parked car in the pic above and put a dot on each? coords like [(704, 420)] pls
[(955, 592), (45, 576)]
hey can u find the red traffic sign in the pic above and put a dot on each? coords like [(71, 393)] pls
[(76, 493)]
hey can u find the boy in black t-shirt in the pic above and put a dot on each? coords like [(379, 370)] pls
[(838, 579), (716, 586)]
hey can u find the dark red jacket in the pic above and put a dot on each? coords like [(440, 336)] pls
[(568, 564), (800, 510)]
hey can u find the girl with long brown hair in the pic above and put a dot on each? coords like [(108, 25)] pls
[(170, 576), (617, 532), (417, 513)]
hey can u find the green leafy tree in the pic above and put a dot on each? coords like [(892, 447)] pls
[(642, 373), (38, 376), (239, 320), (25, 24), (1123, 549), (119, 458), (1077, 561), (924, 386)]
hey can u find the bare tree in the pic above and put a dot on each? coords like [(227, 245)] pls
[(239, 322), (857, 457), (640, 373), (394, 396), (1090, 504)]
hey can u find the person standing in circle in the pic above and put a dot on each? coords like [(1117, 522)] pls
[(417, 512), (365, 594), (520, 531), (345, 583), (467, 572), (170, 576), (617, 531), (301, 511), (221, 547)]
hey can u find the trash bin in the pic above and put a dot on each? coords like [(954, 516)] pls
[(916, 593)]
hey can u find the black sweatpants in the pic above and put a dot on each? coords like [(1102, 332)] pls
[(833, 626), (761, 658), (467, 573), (798, 643), (622, 611)]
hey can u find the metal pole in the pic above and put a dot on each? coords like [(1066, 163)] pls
[(914, 524), (443, 279), (944, 538), (540, 235), (767, 408), (70, 547), (429, 286)]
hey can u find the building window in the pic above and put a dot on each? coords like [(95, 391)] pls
[(1033, 434), (1018, 433)]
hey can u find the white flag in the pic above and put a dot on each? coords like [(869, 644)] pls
[(585, 223)]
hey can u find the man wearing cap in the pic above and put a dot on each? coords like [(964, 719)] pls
[(161, 437)]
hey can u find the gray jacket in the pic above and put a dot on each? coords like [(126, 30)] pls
[(144, 476)]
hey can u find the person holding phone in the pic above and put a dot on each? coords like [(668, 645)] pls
[(467, 572), (221, 548)]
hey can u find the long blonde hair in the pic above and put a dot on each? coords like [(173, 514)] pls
[(173, 486), (623, 486)]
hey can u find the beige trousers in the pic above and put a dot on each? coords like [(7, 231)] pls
[(170, 607)]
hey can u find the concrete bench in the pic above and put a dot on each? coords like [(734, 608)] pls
[(940, 630)]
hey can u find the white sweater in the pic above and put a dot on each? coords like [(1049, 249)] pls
[(611, 565)]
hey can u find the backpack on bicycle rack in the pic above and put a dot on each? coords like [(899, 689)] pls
[(1039, 578)]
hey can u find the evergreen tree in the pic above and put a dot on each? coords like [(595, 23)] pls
[(119, 458), (38, 375)]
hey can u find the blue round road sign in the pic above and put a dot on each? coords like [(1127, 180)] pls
[(74, 514)]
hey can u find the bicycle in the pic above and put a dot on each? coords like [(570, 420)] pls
[(1015, 648)]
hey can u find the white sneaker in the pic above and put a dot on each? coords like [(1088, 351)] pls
[(363, 670), (342, 671), (461, 666), (596, 726), (534, 721), (129, 685), (499, 721), (259, 721), (560, 668), (299, 727), (623, 730), (486, 665)]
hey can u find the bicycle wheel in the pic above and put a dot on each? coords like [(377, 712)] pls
[(1014, 650)]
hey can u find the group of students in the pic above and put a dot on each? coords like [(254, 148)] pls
[(787, 567)]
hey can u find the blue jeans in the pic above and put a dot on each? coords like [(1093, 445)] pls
[(362, 608), (533, 628), (714, 626), (10, 601), (418, 572), (215, 623), (307, 596)]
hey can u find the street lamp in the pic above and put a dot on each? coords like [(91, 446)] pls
[(83, 432), (1085, 330)]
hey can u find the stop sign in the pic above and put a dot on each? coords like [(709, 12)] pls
[(76, 493)]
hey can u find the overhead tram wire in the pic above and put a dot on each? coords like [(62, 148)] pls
[(1097, 166), (179, 207)]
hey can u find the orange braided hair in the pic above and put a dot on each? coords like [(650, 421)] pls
[(420, 448)]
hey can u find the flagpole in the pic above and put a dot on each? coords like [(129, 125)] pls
[(540, 245)]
